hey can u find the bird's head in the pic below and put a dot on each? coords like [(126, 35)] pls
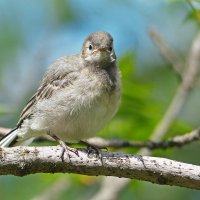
[(98, 49)]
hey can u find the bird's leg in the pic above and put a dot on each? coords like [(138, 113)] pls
[(64, 147), (91, 147)]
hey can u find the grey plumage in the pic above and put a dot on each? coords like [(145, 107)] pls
[(77, 96)]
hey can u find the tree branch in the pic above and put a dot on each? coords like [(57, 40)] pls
[(4, 131), (21, 161), (177, 141)]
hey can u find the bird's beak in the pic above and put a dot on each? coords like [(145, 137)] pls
[(101, 48)]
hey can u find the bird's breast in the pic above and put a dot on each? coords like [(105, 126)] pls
[(93, 103)]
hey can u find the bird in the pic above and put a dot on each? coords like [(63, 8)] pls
[(77, 96)]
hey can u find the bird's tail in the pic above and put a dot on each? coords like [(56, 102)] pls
[(11, 139)]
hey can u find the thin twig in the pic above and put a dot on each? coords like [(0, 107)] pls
[(190, 77), (4, 131), (177, 141), (167, 52)]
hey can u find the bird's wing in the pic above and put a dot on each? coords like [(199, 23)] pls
[(48, 86), (60, 74)]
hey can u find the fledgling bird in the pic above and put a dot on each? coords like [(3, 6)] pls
[(77, 96)]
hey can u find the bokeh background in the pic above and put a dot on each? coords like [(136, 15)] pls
[(35, 33)]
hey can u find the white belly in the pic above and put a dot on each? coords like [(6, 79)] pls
[(87, 122)]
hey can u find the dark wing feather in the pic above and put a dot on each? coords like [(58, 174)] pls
[(45, 91)]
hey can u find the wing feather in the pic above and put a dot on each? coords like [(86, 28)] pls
[(45, 91)]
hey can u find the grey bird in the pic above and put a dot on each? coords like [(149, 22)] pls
[(77, 96)]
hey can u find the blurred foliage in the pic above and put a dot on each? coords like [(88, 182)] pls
[(5, 109), (10, 39), (194, 12), (63, 11)]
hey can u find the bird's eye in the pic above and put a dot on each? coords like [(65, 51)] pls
[(110, 49), (90, 47)]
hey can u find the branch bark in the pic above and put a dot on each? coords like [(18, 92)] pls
[(21, 161)]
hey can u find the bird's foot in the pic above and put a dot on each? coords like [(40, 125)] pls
[(65, 148), (92, 148)]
